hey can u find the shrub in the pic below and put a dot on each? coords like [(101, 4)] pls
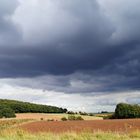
[(91, 114), (64, 119), (70, 112), (72, 118), (83, 113), (79, 118), (104, 112), (41, 119)]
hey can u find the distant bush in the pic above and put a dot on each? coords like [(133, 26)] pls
[(104, 112), (83, 113), (6, 112), (124, 111), (72, 118), (70, 112), (79, 118), (91, 114), (41, 119), (64, 119), (50, 120)]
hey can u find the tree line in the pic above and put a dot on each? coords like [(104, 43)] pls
[(8, 107)]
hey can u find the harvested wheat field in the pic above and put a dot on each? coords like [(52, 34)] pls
[(79, 126), (38, 116)]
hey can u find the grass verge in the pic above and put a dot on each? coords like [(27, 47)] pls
[(22, 135)]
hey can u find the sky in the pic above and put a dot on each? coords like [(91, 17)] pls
[(83, 55)]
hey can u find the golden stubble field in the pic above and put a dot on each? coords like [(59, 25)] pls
[(55, 117)]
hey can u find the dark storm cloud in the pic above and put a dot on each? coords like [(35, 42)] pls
[(9, 32), (62, 38), (63, 47)]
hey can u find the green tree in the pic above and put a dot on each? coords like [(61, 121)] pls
[(6, 112), (124, 111)]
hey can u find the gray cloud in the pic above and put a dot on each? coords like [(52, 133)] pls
[(125, 16), (93, 102), (9, 32), (72, 46), (70, 38)]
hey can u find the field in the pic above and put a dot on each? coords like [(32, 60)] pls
[(30, 126), (56, 117), (79, 126)]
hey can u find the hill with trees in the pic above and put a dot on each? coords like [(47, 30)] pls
[(8, 108)]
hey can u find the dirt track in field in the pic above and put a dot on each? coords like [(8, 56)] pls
[(78, 126)]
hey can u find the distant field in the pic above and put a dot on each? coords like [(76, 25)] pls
[(128, 125), (56, 117)]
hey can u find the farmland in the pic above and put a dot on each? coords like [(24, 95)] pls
[(27, 129), (79, 126), (73, 126), (55, 117)]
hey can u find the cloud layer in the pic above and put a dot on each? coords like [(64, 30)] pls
[(73, 47)]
